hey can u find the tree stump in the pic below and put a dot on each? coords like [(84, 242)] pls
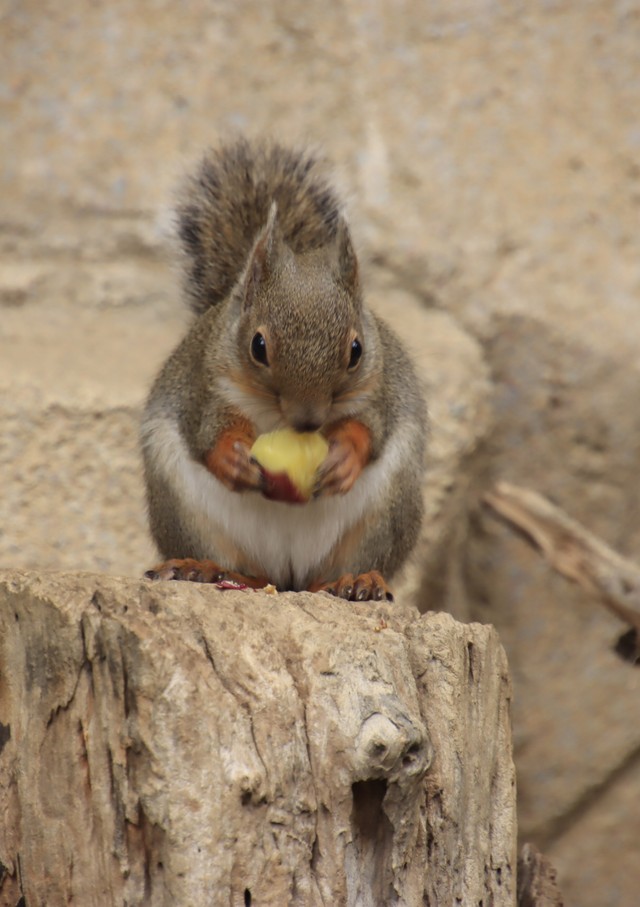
[(172, 744)]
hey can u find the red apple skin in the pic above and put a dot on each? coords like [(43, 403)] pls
[(279, 487)]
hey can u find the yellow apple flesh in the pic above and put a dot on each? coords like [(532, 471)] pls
[(290, 461)]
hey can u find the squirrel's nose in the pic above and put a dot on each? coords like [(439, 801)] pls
[(305, 415), (304, 425)]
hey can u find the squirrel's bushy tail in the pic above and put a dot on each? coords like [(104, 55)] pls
[(226, 203)]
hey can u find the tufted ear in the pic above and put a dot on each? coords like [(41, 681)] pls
[(263, 257), (347, 258)]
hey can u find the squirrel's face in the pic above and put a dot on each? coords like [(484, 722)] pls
[(306, 349)]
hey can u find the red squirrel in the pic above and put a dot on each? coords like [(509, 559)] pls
[(281, 337)]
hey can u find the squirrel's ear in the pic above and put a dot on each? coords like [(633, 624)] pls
[(263, 256), (347, 258)]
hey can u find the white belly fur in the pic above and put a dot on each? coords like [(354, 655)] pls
[(288, 542)]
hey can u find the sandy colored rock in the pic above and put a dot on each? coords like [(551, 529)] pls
[(607, 814), (170, 744), (572, 691)]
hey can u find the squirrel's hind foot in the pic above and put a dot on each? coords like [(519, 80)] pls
[(366, 587), (193, 571)]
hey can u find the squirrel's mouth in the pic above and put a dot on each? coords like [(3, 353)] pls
[(270, 412), (304, 415)]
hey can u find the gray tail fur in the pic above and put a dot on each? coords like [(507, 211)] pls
[(226, 203)]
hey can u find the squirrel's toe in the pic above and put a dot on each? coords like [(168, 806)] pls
[(369, 586)]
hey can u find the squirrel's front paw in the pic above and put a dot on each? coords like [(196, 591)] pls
[(338, 472), (231, 462), (349, 447)]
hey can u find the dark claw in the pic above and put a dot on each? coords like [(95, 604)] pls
[(155, 574), (365, 587), (167, 573)]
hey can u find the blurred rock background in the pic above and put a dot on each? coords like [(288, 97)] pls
[(491, 152)]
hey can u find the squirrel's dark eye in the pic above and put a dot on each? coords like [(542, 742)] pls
[(259, 349), (356, 352)]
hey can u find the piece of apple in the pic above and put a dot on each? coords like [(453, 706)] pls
[(289, 461)]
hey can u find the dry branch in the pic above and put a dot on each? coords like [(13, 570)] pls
[(571, 549)]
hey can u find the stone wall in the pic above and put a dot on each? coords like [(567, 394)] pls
[(491, 154)]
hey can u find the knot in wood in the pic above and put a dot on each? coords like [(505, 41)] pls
[(388, 749)]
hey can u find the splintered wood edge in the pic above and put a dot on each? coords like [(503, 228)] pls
[(571, 549), (537, 880)]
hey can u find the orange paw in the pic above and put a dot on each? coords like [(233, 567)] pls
[(191, 570), (230, 459), (349, 452)]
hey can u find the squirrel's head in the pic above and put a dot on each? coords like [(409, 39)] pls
[(306, 349)]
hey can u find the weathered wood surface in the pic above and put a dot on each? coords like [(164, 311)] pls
[(169, 744), (537, 884)]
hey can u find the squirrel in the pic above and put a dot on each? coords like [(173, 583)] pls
[(281, 338)]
